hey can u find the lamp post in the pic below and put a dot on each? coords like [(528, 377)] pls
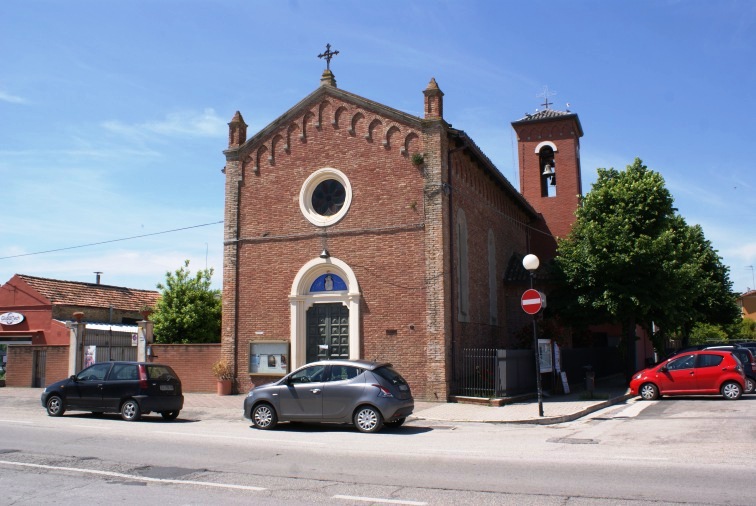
[(531, 263)]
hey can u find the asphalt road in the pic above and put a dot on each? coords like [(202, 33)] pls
[(672, 451)]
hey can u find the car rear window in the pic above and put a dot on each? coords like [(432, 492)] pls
[(156, 371), (390, 375)]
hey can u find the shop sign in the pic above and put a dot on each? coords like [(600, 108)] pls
[(11, 318)]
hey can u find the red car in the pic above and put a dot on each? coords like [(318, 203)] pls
[(702, 372)]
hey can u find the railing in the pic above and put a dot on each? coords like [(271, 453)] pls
[(480, 372)]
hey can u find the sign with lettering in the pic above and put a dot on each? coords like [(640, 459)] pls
[(11, 318)]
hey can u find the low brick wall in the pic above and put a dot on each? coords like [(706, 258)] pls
[(20, 371), (192, 363)]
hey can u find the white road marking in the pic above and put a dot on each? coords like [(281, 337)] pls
[(634, 409), (378, 500), (15, 421), (133, 477)]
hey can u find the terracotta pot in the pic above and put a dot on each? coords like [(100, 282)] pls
[(224, 387)]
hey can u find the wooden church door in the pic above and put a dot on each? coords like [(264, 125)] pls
[(327, 332)]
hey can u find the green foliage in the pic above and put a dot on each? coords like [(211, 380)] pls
[(744, 330), (631, 259), (611, 261), (188, 310), (707, 333)]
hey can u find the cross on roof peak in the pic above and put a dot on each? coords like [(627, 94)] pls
[(328, 54), (545, 94)]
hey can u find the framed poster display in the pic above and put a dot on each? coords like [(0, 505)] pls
[(544, 352), (269, 358)]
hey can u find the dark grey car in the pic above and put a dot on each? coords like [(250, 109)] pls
[(366, 394), (130, 388)]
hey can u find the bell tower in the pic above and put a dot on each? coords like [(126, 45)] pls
[(548, 146)]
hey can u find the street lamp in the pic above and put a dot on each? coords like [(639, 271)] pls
[(531, 263)]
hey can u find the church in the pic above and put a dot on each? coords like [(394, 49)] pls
[(355, 230)]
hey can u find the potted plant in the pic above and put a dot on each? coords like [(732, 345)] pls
[(225, 375)]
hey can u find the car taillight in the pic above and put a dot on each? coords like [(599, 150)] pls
[(382, 391), (142, 376)]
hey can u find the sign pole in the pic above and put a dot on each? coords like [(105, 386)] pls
[(537, 359), (532, 302)]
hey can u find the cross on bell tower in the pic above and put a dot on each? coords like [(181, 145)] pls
[(545, 94)]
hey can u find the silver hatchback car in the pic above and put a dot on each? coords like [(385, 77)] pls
[(366, 394)]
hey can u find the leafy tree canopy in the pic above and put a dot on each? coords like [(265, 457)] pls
[(188, 310), (630, 258)]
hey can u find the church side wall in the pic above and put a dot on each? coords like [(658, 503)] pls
[(486, 207)]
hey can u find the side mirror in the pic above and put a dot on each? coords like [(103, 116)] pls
[(663, 368), (73, 377)]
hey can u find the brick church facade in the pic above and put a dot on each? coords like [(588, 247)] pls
[(356, 230)]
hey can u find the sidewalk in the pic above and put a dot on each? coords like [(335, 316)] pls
[(556, 408)]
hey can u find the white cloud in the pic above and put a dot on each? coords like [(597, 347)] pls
[(13, 99), (198, 124)]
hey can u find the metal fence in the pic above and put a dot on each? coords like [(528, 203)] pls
[(480, 372), (110, 344)]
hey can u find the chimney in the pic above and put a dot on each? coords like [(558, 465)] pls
[(98, 276)]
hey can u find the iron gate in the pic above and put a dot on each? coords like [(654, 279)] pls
[(108, 345)]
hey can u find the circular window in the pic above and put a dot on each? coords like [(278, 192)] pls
[(325, 197)]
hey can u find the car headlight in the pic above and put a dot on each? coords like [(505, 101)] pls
[(637, 376), (251, 393)]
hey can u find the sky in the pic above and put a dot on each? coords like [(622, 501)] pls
[(114, 114)]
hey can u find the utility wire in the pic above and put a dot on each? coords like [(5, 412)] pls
[(111, 241)]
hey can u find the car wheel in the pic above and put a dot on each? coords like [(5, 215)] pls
[(368, 419), (169, 415), (395, 423), (648, 392), (731, 391), (130, 410), (749, 386), (264, 417), (55, 406)]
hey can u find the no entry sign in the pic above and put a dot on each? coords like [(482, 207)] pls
[(531, 301)]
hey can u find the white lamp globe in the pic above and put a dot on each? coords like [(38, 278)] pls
[(530, 262)]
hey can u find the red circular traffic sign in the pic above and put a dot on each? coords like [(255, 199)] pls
[(531, 301)]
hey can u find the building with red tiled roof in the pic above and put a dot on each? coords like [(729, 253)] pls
[(34, 310)]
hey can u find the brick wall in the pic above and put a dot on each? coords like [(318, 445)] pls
[(192, 363), (486, 207), (20, 363)]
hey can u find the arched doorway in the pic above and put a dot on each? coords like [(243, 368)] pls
[(325, 312)]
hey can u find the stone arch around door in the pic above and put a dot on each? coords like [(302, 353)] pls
[(303, 298)]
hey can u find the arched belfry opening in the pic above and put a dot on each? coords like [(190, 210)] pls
[(325, 312), (547, 168)]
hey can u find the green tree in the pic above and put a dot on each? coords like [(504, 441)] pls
[(189, 310), (611, 262), (707, 333), (700, 291), (630, 259), (743, 330)]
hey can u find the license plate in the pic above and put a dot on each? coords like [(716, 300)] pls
[(403, 388), (166, 387)]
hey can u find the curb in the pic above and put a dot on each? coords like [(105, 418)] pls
[(544, 420)]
